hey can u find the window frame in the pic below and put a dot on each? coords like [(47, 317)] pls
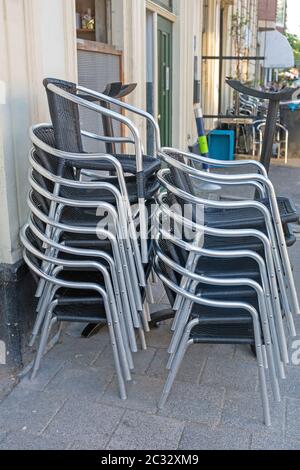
[(162, 4)]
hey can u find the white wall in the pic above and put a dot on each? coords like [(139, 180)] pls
[(186, 28), (37, 39)]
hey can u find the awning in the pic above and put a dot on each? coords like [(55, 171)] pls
[(276, 49)]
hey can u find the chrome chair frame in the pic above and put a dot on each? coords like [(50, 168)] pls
[(230, 233), (108, 298), (185, 343), (62, 202), (118, 253), (97, 157), (116, 274), (222, 254), (136, 138), (279, 128), (274, 224), (243, 204)]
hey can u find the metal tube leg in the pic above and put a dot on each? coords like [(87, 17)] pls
[(184, 313), (137, 252), (41, 315), (147, 311), (270, 308), (284, 252), (267, 348), (121, 382), (279, 364), (43, 344), (278, 314), (119, 339), (142, 339), (121, 317), (125, 299), (144, 230), (125, 336), (144, 318), (174, 370), (264, 353), (126, 287), (149, 294), (273, 376), (130, 280), (262, 375)]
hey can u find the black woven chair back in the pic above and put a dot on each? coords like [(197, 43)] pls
[(64, 116), (55, 165)]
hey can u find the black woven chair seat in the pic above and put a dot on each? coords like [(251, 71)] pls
[(233, 268), (105, 196), (151, 165), (244, 243), (249, 218), (80, 217), (234, 293), (234, 218), (223, 333), (80, 310), (222, 325)]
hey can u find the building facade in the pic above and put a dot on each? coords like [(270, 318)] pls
[(273, 45), (229, 30)]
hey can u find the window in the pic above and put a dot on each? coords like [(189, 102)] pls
[(93, 20), (281, 13), (168, 4)]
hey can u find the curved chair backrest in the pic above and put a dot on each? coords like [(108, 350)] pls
[(65, 114)]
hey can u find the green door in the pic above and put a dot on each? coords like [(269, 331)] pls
[(165, 80)]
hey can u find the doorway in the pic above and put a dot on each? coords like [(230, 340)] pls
[(164, 46)]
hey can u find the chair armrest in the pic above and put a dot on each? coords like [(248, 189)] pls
[(128, 107), (217, 163)]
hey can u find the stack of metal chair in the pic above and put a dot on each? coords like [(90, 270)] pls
[(81, 238), (225, 264)]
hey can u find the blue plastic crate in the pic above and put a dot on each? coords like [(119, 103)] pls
[(221, 145)]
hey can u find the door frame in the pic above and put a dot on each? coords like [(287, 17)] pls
[(153, 10), (166, 27)]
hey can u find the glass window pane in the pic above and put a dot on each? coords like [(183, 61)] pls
[(281, 12), (165, 3)]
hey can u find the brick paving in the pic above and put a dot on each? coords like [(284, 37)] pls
[(215, 403)]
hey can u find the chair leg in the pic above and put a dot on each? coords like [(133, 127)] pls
[(278, 361), (262, 375), (118, 334), (145, 321), (121, 382), (142, 339), (277, 309), (43, 343), (47, 298), (184, 314), (149, 294), (147, 311), (185, 343), (267, 348), (124, 333)]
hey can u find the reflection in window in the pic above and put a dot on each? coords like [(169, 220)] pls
[(281, 12), (168, 4)]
